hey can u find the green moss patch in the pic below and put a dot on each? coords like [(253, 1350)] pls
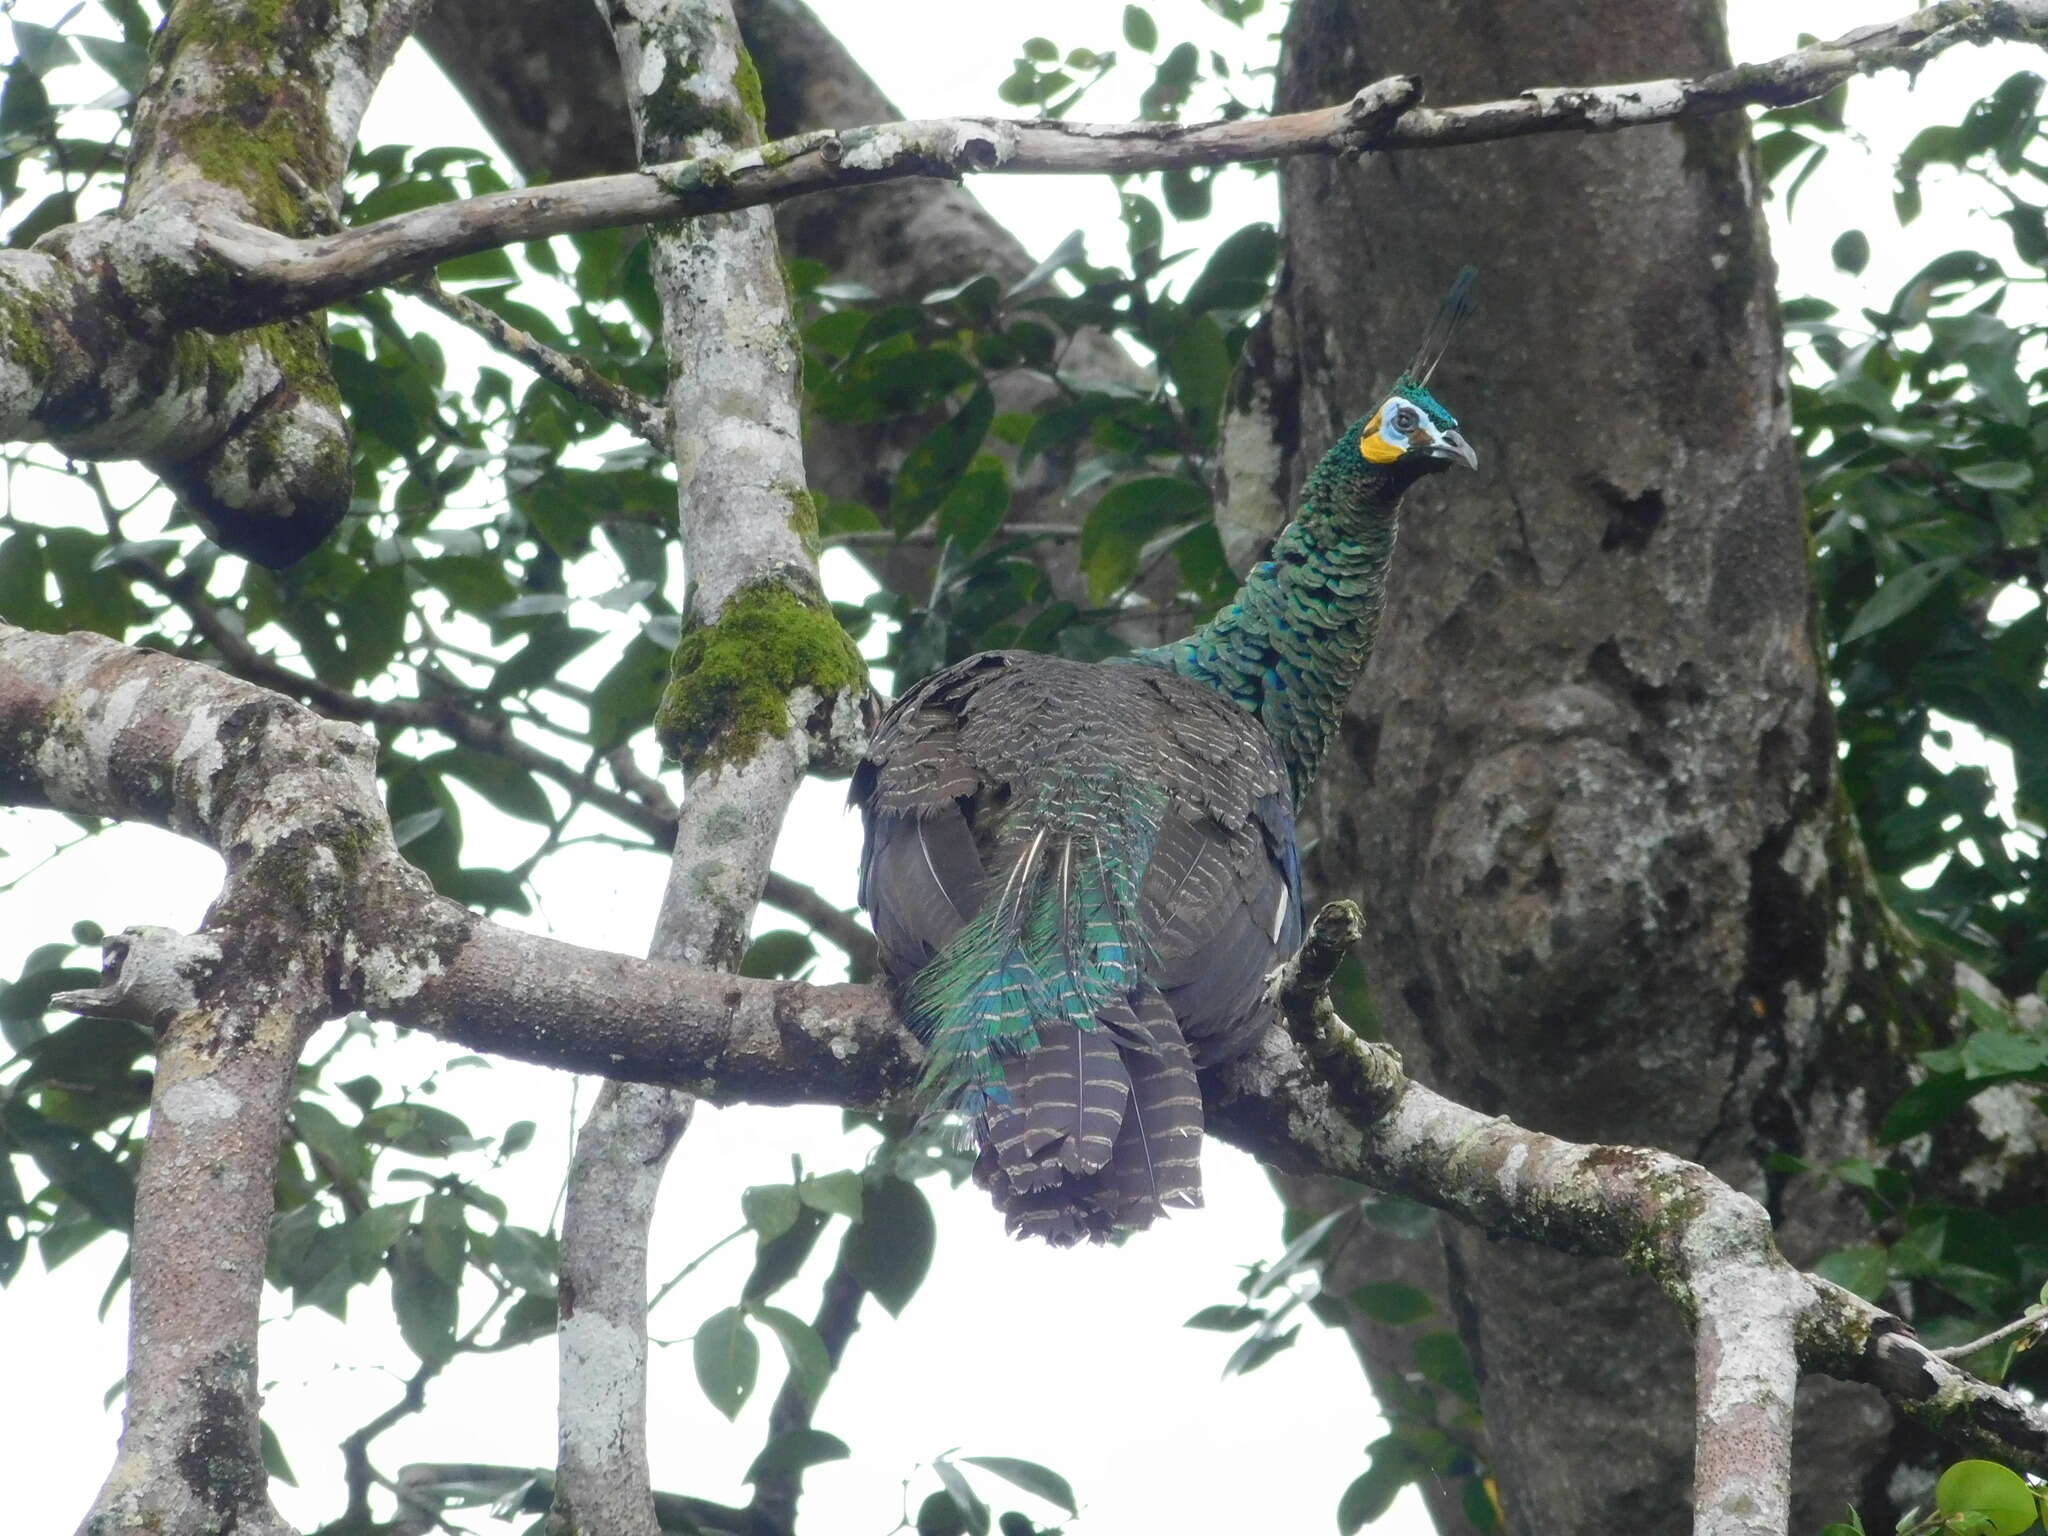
[(730, 681)]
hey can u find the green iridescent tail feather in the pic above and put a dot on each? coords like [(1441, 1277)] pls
[(1058, 941)]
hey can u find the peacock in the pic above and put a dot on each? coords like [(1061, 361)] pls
[(1082, 874)]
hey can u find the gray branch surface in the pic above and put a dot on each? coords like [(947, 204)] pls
[(98, 728), (200, 264), (731, 423)]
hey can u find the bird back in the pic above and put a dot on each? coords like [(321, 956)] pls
[(1079, 876)]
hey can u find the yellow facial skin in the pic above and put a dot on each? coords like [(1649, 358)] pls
[(1376, 449)]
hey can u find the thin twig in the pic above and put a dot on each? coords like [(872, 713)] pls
[(835, 1322), (570, 373), (2034, 1323), (628, 407), (884, 538)]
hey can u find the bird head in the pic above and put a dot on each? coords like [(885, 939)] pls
[(1409, 436), (1413, 429)]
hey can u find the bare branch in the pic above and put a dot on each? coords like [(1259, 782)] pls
[(285, 276), (571, 374), (2033, 1323), (629, 408)]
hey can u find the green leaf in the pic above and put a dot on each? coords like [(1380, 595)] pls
[(42, 49), (776, 1260), (1851, 251), (1070, 250), (1140, 31), (1997, 475), (373, 1234), (728, 1360), (102, 1185), (1257, 1350), (810, 1368), (527, 1259), (272, 1448), (890, 1250), (1864, 1270), (1224, 1318), (1198, 362), (836, 1194), (975, 507), (782, 953), (793, 1451), (421, 1129), (1126, 519), (1441, 1358), (770, 1209), (1040, 50), (13, 1245), (1239, 272), (622, 704), (506, 785), (938, 1515), (1042, 1482), (934, 466), (1925, 1105), (1371, 1494), (964, 1498), (423, 1296), (1297, 1253), (1390, 1303), (2002, 1053), (1985, 1488), (1898, 596)]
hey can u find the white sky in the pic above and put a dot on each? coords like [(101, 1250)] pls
[(1074, 1359)]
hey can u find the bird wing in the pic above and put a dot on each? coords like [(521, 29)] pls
[(1222, 897)]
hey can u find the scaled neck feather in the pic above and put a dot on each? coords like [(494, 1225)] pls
[(1301, 629)]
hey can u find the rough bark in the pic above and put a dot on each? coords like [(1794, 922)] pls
[(242, 111), (543, 79), (1586, 790)]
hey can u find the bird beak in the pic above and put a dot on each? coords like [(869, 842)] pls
[(1449, 445)]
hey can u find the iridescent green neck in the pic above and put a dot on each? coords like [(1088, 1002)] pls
[(1301, 630)]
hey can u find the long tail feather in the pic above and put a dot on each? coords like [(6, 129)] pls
[(1157, 1162), (1043, 1029)]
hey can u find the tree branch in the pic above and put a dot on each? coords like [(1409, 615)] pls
[(835, 1322), (279, 276), (94, 727), (567, 372), (732, 424)]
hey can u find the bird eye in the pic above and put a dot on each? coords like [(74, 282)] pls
[(1404, 421)]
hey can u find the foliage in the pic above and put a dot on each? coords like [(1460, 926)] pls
[(1926, 455), (1925, 449), (499, 607)]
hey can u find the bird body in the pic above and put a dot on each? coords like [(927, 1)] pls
[(1081, 875)]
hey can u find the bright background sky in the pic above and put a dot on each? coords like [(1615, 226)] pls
[(1074, 1359)]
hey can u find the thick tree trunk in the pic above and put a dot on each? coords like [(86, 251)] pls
[(1586, 792)]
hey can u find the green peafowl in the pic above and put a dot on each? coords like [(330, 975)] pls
[(1082, 875)]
